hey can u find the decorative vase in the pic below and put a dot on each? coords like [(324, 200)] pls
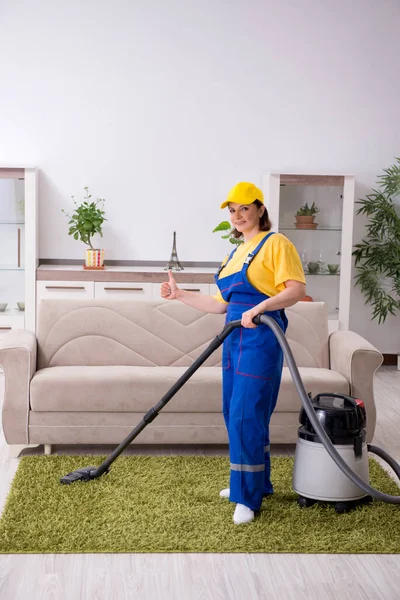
[(306, 222), (174, 263), (94, 259)]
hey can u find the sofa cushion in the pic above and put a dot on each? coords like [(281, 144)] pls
[(315, 381), (137, 389), (308, 334), (123, 389)]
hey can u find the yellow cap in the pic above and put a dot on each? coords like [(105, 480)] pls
[(244, 193)]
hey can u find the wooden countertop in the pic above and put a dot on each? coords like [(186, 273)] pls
[(116, 273)]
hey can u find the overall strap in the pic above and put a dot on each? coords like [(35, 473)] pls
[(256, 250), (224, 264)]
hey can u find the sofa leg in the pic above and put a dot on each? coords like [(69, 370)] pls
[(16, 449), (47, 449)]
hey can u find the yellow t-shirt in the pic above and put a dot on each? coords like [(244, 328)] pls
[(276, 262)]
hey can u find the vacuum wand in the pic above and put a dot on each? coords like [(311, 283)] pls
[(88, 473)]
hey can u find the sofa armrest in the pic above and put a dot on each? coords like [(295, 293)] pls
[(18, 358), (356, 359)]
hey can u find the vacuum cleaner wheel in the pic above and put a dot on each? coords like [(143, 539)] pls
[(340, 507), (305, 502), (344, 507)]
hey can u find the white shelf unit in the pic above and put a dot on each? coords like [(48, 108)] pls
[(284, 193), (18, 246)]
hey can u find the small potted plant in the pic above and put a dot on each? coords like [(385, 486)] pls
[(305, 217), (85, 222), (225, 226)]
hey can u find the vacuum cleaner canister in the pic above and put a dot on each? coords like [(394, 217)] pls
[(315, 475)]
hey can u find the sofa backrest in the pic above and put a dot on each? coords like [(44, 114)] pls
[(308, 334), (148, 333)]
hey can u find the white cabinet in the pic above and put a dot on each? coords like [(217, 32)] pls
[(64, 289), (328, 243), (6, 324), (123, 290), (202, 288), (116, 290), (213, 289), (117, 283), (18, 248)]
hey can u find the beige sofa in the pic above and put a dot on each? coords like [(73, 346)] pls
[(97, 366)]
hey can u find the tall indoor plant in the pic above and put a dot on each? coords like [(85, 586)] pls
[(377, 256), (86, 221)]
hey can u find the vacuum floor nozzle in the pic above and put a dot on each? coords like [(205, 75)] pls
[(84, 474)]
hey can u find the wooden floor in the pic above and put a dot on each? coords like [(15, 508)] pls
[(209, 576)]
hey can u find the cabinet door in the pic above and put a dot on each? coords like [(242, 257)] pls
[(64, 289), (118, 290), (4, 329), (201, 288), (9, 322), (213, 289), (7, 326)]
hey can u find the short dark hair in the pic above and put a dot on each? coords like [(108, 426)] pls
[(265, 223)]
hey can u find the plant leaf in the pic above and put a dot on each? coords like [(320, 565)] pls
[(223, 226)]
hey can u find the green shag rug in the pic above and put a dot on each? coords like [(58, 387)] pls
[(172, 504)]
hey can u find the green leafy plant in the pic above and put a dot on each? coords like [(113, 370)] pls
[(87, 219), (226, 226), (307, 211), (377, 256)]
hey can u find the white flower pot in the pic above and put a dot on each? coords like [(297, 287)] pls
[(94, 258)]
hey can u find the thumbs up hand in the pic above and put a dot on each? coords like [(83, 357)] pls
[(169, 288)]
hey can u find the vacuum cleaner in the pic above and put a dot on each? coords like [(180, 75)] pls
[(331, 458)]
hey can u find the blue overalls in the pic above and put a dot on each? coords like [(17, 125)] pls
[(252, 362)]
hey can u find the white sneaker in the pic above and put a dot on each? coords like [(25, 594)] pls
[(242, 514), (225, 493)]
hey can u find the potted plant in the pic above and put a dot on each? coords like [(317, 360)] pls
[(225, 226), (377, 256), (85, 222), (305, 217)]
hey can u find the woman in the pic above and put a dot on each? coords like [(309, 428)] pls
[(262, 275)]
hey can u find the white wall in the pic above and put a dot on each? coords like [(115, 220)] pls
[(160, 106)]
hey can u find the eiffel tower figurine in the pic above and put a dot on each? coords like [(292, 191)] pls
[(174, 263)]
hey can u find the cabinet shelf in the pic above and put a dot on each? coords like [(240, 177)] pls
[(12, 222), (11, 268), (324, 228), (321, 274)]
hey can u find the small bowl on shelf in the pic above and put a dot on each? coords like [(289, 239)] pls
[(3, 306), (313, 267), (21, 305), (333, 269)]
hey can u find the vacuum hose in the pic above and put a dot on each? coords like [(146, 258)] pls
[(308, 407)]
